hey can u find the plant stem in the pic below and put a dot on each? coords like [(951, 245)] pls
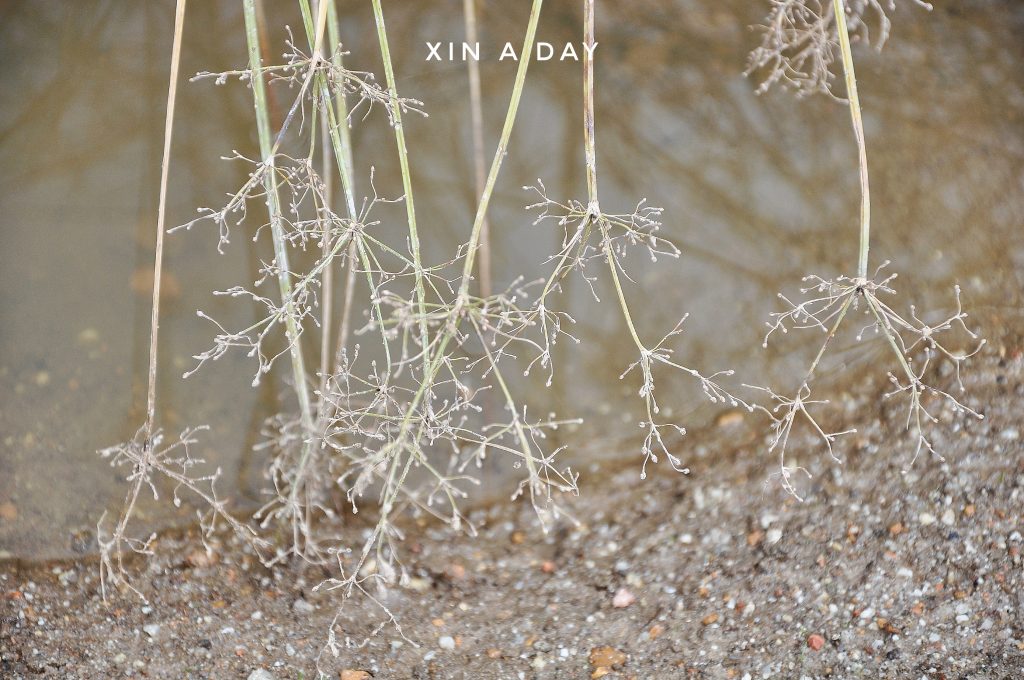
[(341, 114), (154, 325), (858, 131), (435, 360), (476, 114), (588, 104), (327, 277), (499, 154), (341, 143), (403, 159), (590, 150), (293, 332), (828, 338)]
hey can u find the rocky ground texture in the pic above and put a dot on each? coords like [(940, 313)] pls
[(877, 574)]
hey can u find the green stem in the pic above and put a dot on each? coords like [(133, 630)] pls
[(858, 131), (327, 277), (524, 441), (614, 269), (590, 149), (341, 143), (434, 357), (479, 171), (342, 130), (828, 339), (499, 154), (403, 159), (292, 329), (888, 332)]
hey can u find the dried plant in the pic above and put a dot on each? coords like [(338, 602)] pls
[(591, 234), (150, 463), (399, 415), (818, 33), (827, 304), (799, 41), (143, 454), (408, 427)]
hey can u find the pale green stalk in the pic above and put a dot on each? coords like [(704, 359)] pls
[(341, 143), (828, 338), (499, 154), (341, 111), (590, 151), (403, 159), (436, 360), (858, 131), (476, 117), (327, 278), (267, 149)]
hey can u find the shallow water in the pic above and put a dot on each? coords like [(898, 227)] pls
[(757, 191)]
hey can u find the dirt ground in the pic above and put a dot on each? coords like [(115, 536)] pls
[(878, 574)]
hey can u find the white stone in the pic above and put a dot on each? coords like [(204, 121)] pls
[(260, 674)]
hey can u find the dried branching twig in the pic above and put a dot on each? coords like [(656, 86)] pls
[(799, 42), (799, 49)]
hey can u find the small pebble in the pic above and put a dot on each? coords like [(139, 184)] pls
[(260, 674), (623, 598), (446, 642), (353, 674), (607, 657)]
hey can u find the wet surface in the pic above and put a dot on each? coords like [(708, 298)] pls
[(757, 191)]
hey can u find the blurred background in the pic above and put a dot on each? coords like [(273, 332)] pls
[(758, 191)]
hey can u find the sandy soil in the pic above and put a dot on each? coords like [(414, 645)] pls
[(712, 575)]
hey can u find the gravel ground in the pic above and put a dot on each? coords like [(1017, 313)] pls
[(877, 574)]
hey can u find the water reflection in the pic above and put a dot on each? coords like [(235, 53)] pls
[(758, 191)]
